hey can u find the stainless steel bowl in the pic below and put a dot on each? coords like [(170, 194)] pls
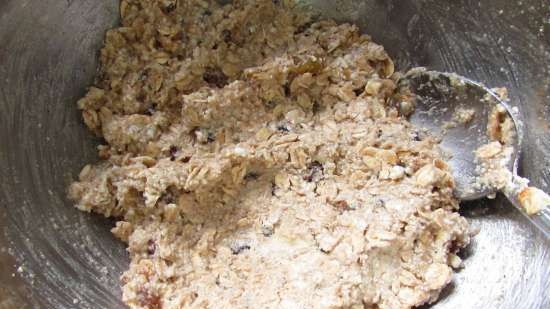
[(53, 256)]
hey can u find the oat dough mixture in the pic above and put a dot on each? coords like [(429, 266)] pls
[(255, 157)]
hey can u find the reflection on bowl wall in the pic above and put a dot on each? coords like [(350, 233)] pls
[(53, 256)]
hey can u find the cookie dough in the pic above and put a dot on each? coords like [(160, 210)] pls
[(255, 158), (494, 161)]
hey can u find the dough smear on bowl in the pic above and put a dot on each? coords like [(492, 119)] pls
[(256, 158)]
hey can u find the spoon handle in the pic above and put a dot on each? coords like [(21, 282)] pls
[(527, 202)]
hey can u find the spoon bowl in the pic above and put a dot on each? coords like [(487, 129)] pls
[(457, 111), (439, 98)]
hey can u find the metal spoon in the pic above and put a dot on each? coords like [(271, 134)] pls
[(437, 96)]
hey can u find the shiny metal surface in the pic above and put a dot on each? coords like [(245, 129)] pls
[(67, 259), (438, 96)]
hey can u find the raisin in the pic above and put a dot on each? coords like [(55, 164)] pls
[(286, 88), (150, 111), (316, 107), (314, 172), (215, 77), (168, 197), (226, 35), (173, 152), (157, 44), (251, 176), (270, 104), (238, 248), (283, 128), (210, 137), (151, 247), (416, 136), (273, 188)]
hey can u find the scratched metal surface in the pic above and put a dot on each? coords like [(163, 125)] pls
[(67, 259)]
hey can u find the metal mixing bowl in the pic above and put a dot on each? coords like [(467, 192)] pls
[(53, 256)]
